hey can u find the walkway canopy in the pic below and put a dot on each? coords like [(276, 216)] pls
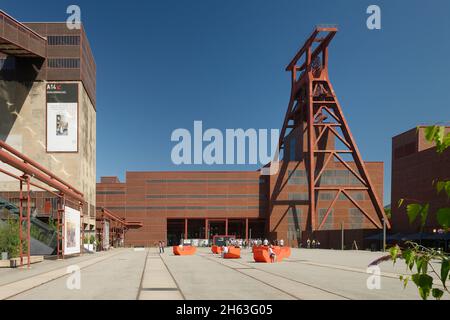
[(18, 40)]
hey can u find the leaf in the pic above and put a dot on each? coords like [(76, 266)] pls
[(405, 282), (445, 268), (437, 293), (443, 217), (424, 282), (440, 185), (413, 210), (388, 213), (424, 214), (430, 133), (447, 188), (409, 256), (394, 251)]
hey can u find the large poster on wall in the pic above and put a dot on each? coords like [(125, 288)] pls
[(62, 117), (71, 231)]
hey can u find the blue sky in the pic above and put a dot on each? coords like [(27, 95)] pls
[(163, 64)]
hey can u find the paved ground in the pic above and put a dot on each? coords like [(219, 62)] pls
[(144, 274)]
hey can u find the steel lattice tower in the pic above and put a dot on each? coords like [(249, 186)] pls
[(315, 109)]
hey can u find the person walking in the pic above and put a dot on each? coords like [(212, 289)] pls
[(273, 256), (163, 245), (308, 243), (161, 250), (281, 242), (314, 244)]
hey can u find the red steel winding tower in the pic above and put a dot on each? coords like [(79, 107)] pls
[(314, 109)]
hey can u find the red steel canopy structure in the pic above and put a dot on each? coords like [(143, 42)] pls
[(314, 107), (31, 170), (16, 39), (119, 225)]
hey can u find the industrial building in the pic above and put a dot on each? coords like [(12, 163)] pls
[(322, 190), (416, 167), (48, 110)]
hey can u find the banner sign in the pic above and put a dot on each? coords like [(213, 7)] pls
[(71, 231), (62, 117)]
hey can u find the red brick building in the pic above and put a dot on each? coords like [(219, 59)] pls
[(415, 166), (179, 204)]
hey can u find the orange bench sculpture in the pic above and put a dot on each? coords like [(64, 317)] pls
[(261, 253), (216, 249), (184, 250), (233, 253)]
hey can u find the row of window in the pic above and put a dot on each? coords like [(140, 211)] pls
[(240, 181), (63, 63), (205, 196), (328, 177), (326, 196), (187, 208), (110, 192), (355, 215), (63, 40)]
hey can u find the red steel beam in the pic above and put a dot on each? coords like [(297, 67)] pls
[(33, 163), (32, 171)]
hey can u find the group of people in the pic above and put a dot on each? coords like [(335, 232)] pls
[(161, 245), (265, 242), (312, 244)]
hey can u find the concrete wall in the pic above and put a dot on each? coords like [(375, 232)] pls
[(23, 126)]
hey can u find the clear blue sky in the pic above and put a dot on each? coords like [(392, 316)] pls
[(163, 64)]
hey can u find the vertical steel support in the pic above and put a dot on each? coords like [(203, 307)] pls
[(20, 222), (206, 230), (246, 229), (185, 228), (384, 235), (342, 236), (28, 222), (226, 226), (311, 143), (82, 229)]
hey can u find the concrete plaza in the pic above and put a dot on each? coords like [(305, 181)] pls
[(146, 275)]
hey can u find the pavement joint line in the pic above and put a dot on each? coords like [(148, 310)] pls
[(286, 278), (142, 275), (60, 271), (24, 268), (159, 289), (174, 280), (356, 270), (254, 278)]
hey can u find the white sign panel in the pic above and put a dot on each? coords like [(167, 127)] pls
[(71, 231), (62, 117)]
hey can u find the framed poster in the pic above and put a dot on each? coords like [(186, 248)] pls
[(62, 117), (71, 231)]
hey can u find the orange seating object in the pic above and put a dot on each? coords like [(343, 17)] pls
[(184, 250), (233, 253), (261, 253), (216, 249)]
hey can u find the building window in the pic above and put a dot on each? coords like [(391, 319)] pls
[(110, 192), (356, 218), (297, 177), (298, 196), (63, 63), (63, 40)]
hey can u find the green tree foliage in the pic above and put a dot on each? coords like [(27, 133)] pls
[(9, 238)]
